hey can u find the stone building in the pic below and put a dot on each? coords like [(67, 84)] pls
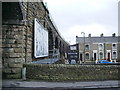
[(18, 19), (97, 48), (73, 54)]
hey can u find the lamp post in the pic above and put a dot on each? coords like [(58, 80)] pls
[(84, 45)]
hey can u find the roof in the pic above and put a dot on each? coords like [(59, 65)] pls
[(98, 39)]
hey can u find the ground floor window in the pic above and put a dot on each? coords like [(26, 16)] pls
[(114, 55), (87, 56), (101, 55)]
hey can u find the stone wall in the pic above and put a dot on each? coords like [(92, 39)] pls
[(17, 36), (13, 52), (60, 72)]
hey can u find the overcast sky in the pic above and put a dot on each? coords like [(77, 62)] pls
[(90, 16)]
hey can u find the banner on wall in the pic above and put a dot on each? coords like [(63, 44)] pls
[(40, 40)]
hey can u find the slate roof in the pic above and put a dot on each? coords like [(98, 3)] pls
[(98, 39)]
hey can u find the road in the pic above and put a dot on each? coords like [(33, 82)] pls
[(40, 85)]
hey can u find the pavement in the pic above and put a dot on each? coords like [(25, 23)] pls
[(113, 84)]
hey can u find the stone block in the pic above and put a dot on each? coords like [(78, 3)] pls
[(20, 36), (14, 60), (9, 60), (5, 55), (6, 45), (5, 65), (7, 70), (19, 50), (12, 65), (8, 50), (29, 42), (14, 55), (18, 55), (10, 36), (29, 50), (29, 55), (10, 41), (13, 76), (19, 41), (15, 70), (19, 60), (17, 45), (29, 46)]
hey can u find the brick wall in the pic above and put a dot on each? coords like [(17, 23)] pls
[(60, 72)]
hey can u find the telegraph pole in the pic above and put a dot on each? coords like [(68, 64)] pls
[(84, 45)]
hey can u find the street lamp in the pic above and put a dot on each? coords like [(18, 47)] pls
[(84, 45)]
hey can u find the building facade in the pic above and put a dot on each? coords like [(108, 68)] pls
[(73, 54), (93, 49)]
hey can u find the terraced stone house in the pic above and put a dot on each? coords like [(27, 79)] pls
[(98, 48)]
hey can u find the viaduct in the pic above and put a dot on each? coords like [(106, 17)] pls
[(18, 36)]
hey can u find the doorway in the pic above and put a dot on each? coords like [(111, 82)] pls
[(81, 57), (95, 56), (108, 57)]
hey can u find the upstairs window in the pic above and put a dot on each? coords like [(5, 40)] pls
[(87, 47), (101, 46), (114, 46), (114, 55)]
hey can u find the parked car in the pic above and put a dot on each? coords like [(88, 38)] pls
[(104, 62)]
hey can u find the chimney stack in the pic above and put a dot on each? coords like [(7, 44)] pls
[(89, 35), (76, 36), (113, 35), (101, 35)]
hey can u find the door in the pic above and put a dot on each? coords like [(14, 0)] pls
[(81, 57), (108, 56), (95, 56)]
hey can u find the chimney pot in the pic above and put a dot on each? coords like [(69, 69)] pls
[(89, 35), (113, 35), (76, 36), (101, 35)]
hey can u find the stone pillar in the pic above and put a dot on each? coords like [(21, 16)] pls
[(13, 50)]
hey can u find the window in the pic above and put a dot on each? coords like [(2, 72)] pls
[(101, 47), (86, 47), (87, 56), (114, 55), (114, 46), (73, 48), (75, 56), (101, 55)]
